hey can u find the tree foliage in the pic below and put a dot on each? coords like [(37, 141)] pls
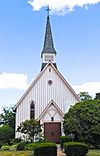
[(7, 117), (84, 96), (83, 121), (97, 97), (6, 133), (30, 128)]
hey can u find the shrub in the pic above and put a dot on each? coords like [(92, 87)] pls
[(15, 141), (13, 147), (21, 146), (31, 146), (5, 148), (75, 149), (64, 139), (45, 149), (97, 146), (0, 145), (91, 146)]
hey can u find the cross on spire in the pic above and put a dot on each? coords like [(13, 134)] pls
[(48, 10)]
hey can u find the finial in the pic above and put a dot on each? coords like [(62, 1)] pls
[(48, 10)]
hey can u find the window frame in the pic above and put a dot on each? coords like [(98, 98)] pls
[(32, 110)]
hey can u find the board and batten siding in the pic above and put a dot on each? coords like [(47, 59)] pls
[(42, 93)]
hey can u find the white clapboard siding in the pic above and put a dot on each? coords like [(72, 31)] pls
[(42, 93)]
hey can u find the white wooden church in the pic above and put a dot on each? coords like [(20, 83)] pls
[(49, 96)]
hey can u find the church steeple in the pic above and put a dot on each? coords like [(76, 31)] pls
[(48, 53), (48, 42)]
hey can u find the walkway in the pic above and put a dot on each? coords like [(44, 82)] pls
[(59, 151)]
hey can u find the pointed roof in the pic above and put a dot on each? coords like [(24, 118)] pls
[(48, 42), (48, 106), (40, 74)]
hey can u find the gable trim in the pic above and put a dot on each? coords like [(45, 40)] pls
[(66, 83), (32, 84), (47, 107)]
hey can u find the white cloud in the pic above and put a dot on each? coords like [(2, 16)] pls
[(90, 87), (61, 6), (13, 80)]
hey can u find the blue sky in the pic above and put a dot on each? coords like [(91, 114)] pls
[(76, 35)]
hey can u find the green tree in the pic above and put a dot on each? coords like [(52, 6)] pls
[(84, 96), (83, 121), (8, 117), (29, 128), (6, 133), (97, 96)]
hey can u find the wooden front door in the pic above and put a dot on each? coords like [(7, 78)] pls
[(52, 131)]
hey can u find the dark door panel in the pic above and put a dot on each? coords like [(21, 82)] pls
[(52, 131)]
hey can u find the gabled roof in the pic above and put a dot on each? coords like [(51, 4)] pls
[(48, 106), (48, 42), (40, 74)]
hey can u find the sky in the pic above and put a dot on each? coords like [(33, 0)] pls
[(76, 35)]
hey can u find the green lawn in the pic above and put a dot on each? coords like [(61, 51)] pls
[(94, 153), (17, 153), (25, 153)]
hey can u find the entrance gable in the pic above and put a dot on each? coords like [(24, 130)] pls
[(51, 113)]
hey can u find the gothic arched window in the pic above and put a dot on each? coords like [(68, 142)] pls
[(32, 110)]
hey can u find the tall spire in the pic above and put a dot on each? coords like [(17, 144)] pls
[(48, 42)]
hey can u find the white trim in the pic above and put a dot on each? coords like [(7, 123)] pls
[(47, 107)]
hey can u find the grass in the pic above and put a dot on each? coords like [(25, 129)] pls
[(15, 153), (27, 153), (94, 153)]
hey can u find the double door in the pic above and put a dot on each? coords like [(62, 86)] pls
[(52, 131)]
